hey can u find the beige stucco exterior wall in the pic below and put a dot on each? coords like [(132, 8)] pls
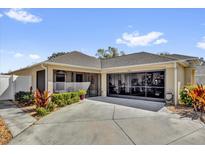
[(180, 75), (50, 79), (184, 75), (169, 74), (104, 84), (31, 72), (169, 79)]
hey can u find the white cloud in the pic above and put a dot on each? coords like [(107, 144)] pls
[(135, 39), (1, 15), (201, 44), (34, 56), (18, 55), (160, 41), (23, 16)]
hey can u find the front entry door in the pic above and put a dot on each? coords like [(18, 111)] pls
[(41, 80)]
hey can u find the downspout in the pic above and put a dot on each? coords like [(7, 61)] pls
[(46, 76), (175, 84)]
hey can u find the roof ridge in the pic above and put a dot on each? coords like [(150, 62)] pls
[(167, 56), (124, 55), (139, 53), (70, 52)]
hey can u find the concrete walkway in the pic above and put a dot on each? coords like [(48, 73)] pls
[(96, 122), (16, 120)]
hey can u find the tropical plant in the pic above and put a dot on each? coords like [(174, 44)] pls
[(198, 96), (111, 52), (82, 92), (41, 99)]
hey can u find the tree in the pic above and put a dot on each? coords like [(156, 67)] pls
[(56, 54), (164, 53), (109, 53)]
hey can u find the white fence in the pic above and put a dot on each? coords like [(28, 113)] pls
[(70, 86), (10, 84)]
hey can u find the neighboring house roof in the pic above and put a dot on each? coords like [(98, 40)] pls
[(78, 59)]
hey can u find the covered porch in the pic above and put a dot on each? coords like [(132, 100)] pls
[(67, 81), (57, 79)]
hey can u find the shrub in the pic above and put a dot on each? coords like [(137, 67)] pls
[(75, 99), (51, 106), (185, 99), (58, 100), (74, 94), (41, 111), (41, 98), (24, 97), (63, 99), (67, 98)]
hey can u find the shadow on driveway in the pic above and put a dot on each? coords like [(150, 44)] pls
[(136, 103)]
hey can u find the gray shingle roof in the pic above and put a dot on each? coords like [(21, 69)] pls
[(134, 59), (81, 59), (78, 59), (180, 57)]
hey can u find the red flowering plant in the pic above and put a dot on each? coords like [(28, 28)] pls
[(41, 99), (198, 96)]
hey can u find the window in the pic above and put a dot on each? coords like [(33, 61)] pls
[(60, 76)]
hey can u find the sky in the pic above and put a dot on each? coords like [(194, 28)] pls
[(28, 36)]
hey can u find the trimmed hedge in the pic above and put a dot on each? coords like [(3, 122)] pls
[(67, 98)]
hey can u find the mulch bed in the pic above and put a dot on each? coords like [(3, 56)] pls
[(184, 111), (5, 134)]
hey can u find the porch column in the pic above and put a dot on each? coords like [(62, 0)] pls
[(104, 84), (175, 84), (50, 79)]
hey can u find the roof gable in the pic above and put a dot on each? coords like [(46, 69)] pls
[(78, 59)]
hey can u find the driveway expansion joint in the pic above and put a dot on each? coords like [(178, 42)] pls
[(179, 138), (121, 127)]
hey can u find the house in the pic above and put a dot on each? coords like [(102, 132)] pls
[(138, 75)]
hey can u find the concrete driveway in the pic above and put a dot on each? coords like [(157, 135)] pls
[(96, 122), (136, 103)]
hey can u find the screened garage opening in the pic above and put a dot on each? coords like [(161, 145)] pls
[(149, 85)]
